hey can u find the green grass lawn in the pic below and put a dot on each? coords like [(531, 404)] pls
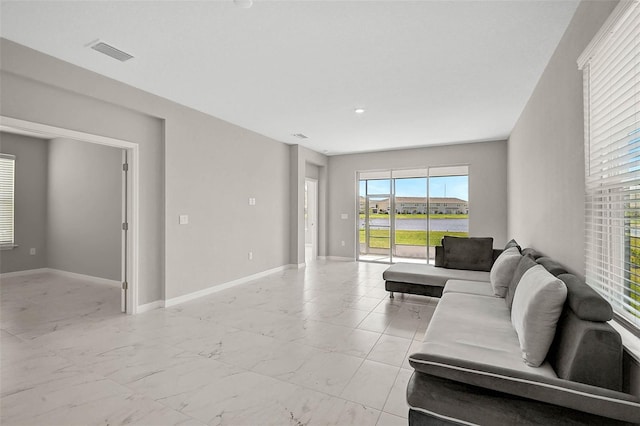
[(380, 237), (417, 216)]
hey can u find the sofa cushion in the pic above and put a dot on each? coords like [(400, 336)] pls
[(503, 269), (523, 266), (439, 258), (420, 273), (513, 243), (479, 288), (584, 301), (537, 305), (472, 329), (531, 252), (475, 254), (551, 265)]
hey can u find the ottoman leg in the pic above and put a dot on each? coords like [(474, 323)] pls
[(390, 295)]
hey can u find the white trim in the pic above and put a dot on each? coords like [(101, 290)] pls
[(25, 272), (14, 125), (150, 306), (75, 275), (219, 287), (11, 125), (605, 30), (299, 265), (338, 258), (60, 272)]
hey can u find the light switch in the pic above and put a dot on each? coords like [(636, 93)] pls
[(252, 201), (184, 219), (344, 216)]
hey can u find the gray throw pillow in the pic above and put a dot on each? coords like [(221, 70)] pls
[(503, 269), (513, 243), (473, 254), (523, 266), (537, 306)]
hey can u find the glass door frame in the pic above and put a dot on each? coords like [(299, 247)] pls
[(392, 175), (381, 175)]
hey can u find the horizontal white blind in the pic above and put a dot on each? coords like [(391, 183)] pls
[(7, 172), (612, 165)]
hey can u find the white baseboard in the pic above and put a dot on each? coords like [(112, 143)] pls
[(26, 272), (219, 287), (99, 280), (340, 258), (299, 265), (150, 306)]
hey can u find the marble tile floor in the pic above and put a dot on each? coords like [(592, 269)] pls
[(315, 346)]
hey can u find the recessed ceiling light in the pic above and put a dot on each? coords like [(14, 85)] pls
[(359, 110), (244, 4)]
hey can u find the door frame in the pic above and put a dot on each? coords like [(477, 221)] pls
[(314, 232), (30, 128)]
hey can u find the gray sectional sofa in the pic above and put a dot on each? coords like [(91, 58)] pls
[(523, 343)]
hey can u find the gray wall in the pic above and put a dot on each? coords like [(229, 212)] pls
[(84, 208), (312, 171), (30, 203), (546, 158), (212, 170), (546, 150), (191, 163), (487, 187)]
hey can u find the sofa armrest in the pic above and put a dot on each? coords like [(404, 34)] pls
[(578, 396)]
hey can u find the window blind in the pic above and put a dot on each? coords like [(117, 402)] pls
[(7, 172), (611, 71)]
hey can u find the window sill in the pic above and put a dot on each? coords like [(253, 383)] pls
[(8, 246), (630, 342)]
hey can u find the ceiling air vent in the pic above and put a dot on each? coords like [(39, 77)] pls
[(300, 136), (111, 51)]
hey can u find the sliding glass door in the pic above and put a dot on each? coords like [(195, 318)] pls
[(405, 213), (374, 224)]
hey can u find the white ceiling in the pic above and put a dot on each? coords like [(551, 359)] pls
[(427, 72)]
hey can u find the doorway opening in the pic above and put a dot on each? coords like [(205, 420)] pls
[(130, 197), (310, 219), (403, 214)]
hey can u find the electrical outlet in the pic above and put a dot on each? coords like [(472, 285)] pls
[(342, 243), (32, 251), (250, 255), (183, 219)]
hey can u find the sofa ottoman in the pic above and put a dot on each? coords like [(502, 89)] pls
[(425, 280)]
